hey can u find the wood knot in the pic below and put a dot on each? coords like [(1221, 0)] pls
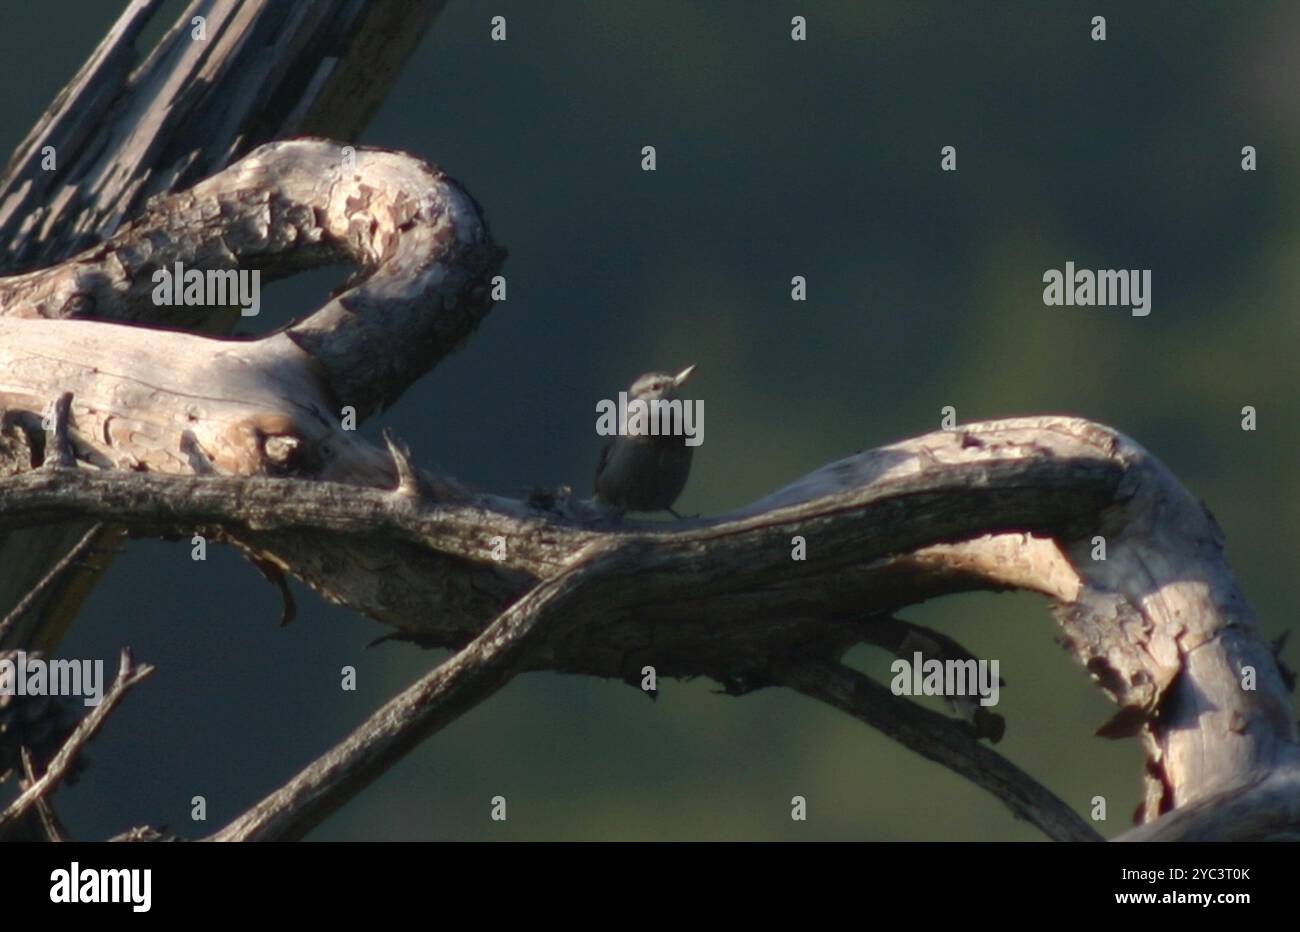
[(280, 444)]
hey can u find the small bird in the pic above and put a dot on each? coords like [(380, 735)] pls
[(646, 472)]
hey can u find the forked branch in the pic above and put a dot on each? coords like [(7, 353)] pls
[(242, 441)]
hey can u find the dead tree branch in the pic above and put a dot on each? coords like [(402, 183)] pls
[(242, 441), (992, 506), (473, 674), (51, 827), (133, 124), (65, 563), (939, 738), (128, 675)]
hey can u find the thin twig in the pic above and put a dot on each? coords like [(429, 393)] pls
[(49, 579), (50, 824), (941, 739), (128, 675)]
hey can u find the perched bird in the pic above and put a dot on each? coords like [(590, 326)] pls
[(646, 472)]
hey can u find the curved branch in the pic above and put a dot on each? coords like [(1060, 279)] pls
[(288, 206), (178, 402), (938, 738), (1157, 618), (125, 129), (1266, 808), (1159, 623)]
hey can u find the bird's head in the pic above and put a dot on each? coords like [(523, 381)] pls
[(654, 385)]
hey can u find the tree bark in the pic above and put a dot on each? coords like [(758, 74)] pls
[(162, 433), (124, 130)]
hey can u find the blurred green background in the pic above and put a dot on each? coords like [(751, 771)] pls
[(775, 159)]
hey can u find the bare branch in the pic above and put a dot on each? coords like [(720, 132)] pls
[(454, 687), (905, 639), (1008, 504), (1265, 808), (1160, 623), (941, 739), (126, 129), (68, 560), (333, 61), (128, 675), (51, 827)]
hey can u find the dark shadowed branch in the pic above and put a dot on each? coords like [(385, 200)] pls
[(128, 675), (941, 739)]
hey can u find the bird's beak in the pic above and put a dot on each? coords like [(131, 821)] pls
[(682, 376)]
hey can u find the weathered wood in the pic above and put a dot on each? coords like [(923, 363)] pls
[(180, 403), (167, 432), (453, 688), (938, 738), (996, 505), (124, 130)]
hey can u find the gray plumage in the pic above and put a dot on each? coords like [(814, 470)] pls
[(648, 472)]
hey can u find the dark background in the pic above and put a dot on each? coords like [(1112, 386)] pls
[(775, 159)]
